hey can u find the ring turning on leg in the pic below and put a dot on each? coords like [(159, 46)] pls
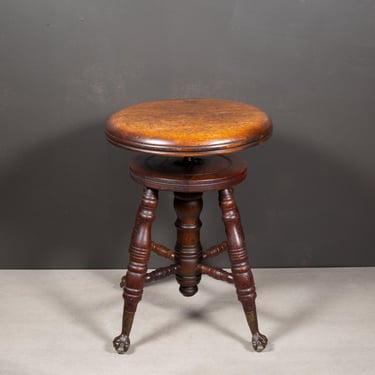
[(242, 275), (139, 249), (188, 250)]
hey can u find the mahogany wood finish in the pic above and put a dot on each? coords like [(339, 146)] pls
[(243, 277), (192, 134), (215, 250), (188, 250), (189, 127), (216, 273), (162, 251), (188, 175), (139, 249), (160, 273)]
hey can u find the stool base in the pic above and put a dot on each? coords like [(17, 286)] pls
[(188, 258)]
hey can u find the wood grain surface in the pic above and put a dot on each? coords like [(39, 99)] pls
[(189, 127)]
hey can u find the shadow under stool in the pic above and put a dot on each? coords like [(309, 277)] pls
[(187, 148)]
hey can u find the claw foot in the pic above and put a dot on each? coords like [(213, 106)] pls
[(121, 344), (122, 282), (259, 342)]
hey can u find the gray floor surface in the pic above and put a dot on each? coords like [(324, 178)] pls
[(319, 321)]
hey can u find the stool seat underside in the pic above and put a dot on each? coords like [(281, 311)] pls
[(211, 173)]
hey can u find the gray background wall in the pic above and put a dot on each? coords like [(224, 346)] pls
[(66, 198)]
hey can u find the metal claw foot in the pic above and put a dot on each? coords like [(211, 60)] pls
[(259, 342), (121, 344), (122, 282)]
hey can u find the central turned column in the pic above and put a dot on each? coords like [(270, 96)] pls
[(188, 249)]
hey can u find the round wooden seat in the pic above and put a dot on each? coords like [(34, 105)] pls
[(189, 127)]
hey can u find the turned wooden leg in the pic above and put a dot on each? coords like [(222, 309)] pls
[(188, 249), (139, 249), (242, 275)]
